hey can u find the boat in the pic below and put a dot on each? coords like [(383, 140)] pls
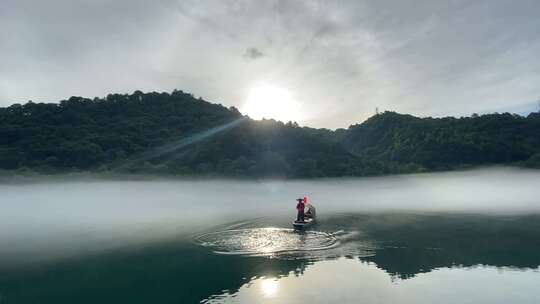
[(309, 219), (301, 225)]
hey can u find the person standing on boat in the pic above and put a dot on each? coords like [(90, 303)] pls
[(300, 208)]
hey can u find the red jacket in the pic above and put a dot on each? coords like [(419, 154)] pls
[(300, 207)]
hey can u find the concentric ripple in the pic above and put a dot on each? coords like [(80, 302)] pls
[(266, 241)]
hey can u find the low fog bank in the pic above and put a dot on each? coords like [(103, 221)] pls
[(60, 217), (491, 191)]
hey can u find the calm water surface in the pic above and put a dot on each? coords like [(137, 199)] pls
[(464, 237)]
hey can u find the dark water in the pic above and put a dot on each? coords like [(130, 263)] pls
[(408, 258), (107, 242)]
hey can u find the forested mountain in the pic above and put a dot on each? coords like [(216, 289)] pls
[(409, 143), (166, 134), (177, 134), (84, 134)]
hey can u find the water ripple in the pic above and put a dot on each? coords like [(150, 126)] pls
[(266, 241)]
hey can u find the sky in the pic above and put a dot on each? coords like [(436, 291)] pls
[(337, 61)]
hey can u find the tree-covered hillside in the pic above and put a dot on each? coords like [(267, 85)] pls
[(407, 143), (177, 134), (166, 134), (84, 134)]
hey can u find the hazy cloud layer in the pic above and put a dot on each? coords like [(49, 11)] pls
[(340, 59)]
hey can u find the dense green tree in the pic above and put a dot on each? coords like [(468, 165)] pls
[(177, 134), (416, 144)]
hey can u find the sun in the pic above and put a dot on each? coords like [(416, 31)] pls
[(268, 101)]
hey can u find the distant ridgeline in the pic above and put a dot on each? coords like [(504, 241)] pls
[(177, 134)]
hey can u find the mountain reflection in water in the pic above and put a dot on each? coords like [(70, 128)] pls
[(347, 281), (458, 237), (384, 257)]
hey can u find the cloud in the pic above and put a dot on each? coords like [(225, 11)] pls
[(340, 59), (253, 53)]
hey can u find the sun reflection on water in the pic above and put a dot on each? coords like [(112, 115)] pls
[(269, 287)]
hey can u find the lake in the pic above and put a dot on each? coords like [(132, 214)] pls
[(459, 237)]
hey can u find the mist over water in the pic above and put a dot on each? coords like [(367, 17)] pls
[(42, 219), (72, 239)]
